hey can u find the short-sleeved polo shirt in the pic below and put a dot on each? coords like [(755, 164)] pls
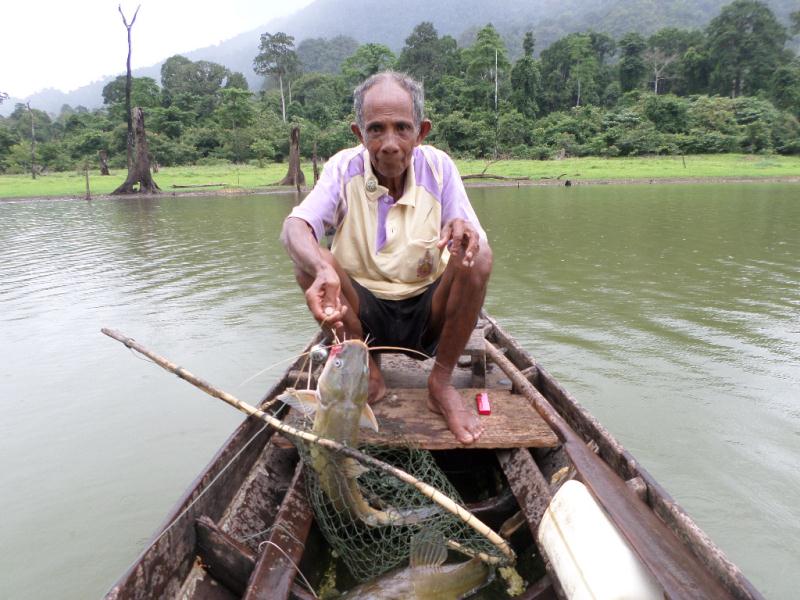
[(387, 244)]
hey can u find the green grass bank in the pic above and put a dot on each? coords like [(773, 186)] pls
[(237, 178)]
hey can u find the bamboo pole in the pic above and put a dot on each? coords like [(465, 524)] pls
[(427, 490)]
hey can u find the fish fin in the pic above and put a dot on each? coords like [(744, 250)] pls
[(368, 419), (305, 402), (352, 468), (428, 549)]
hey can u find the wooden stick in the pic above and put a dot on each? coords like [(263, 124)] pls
[(428, 491), (676, 569)]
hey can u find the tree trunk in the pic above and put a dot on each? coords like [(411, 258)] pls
[(314, 163), (295, 175), (103, 156), (283, 100), (33, 143), (139, 171)]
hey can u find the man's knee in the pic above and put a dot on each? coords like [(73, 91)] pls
[(478, 274)]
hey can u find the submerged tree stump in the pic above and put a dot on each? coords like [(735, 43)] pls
[(139, 169), (103, 157), (295, 175)]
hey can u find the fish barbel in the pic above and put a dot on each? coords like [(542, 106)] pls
[(426, 577), (340, 406)]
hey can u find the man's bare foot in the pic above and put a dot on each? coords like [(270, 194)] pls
[(446, 400), (377, 386)]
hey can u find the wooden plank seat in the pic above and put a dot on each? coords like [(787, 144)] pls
[(405, 419)]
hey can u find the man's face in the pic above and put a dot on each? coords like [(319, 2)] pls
[(389, 132)]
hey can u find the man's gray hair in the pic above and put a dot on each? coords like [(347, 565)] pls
[(409, 84)]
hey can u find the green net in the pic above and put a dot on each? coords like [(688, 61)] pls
[(370, 550)]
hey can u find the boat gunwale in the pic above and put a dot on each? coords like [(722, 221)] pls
[(223, 459), (625, 465)]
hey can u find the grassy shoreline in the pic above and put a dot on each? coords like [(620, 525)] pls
[(716, 168)]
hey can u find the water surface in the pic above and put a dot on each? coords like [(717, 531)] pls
[(671, 312)]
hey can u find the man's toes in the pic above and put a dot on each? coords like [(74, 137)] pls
[(475, 429), (465, 437)]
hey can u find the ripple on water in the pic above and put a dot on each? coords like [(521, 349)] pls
[(671, 313)]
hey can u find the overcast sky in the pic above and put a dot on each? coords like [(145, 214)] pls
[(68, 43)]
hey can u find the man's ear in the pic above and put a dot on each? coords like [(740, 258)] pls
[(424, 130), (356, 131)]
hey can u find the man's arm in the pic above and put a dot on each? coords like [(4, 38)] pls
[(323, 297), (461, 232)]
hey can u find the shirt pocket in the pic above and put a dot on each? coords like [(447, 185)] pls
[(420, 260)]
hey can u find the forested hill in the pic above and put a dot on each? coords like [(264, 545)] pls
[(370, 21), (367, 20)]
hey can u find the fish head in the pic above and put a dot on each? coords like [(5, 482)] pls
[(343, 387)]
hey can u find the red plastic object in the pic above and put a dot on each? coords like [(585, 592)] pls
[(482, 400)]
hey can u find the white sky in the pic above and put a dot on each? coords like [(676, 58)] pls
[(65, 44)]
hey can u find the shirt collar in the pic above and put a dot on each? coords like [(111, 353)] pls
[(408, 196)]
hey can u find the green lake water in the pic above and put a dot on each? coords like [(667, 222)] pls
[(671, 312)]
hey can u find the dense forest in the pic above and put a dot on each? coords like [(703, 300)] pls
[(733, 86)]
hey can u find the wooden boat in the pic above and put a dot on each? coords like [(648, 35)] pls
[(244, 529)]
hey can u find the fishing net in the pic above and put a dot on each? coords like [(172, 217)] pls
[(369, 551)]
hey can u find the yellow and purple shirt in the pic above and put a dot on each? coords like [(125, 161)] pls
[(387, 244)]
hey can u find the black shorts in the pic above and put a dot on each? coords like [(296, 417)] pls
[(402, 323)]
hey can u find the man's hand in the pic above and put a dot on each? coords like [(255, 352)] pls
[(461, 239), (324, 299)]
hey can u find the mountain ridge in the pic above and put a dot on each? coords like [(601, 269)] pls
[(548, 19)]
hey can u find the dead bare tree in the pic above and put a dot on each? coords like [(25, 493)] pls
[(658, 60), (295, 174), (128, 83), (138, 161)]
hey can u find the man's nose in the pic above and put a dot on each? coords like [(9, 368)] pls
[(390, 143)]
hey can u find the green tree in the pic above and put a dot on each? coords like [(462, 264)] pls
[(172, 79), (235, 112), (198, 86), (526, 80), (145, 93), (571, 72), (786, 87), (277, 57), (8, 139), (632, 69), (487, 65), (427, 57), (745, 42), (20, 122), (322, 97), (236, 80), (367, 60), (171, 121), (694, 71)]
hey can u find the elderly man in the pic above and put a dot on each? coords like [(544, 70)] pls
[(409, 263)]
